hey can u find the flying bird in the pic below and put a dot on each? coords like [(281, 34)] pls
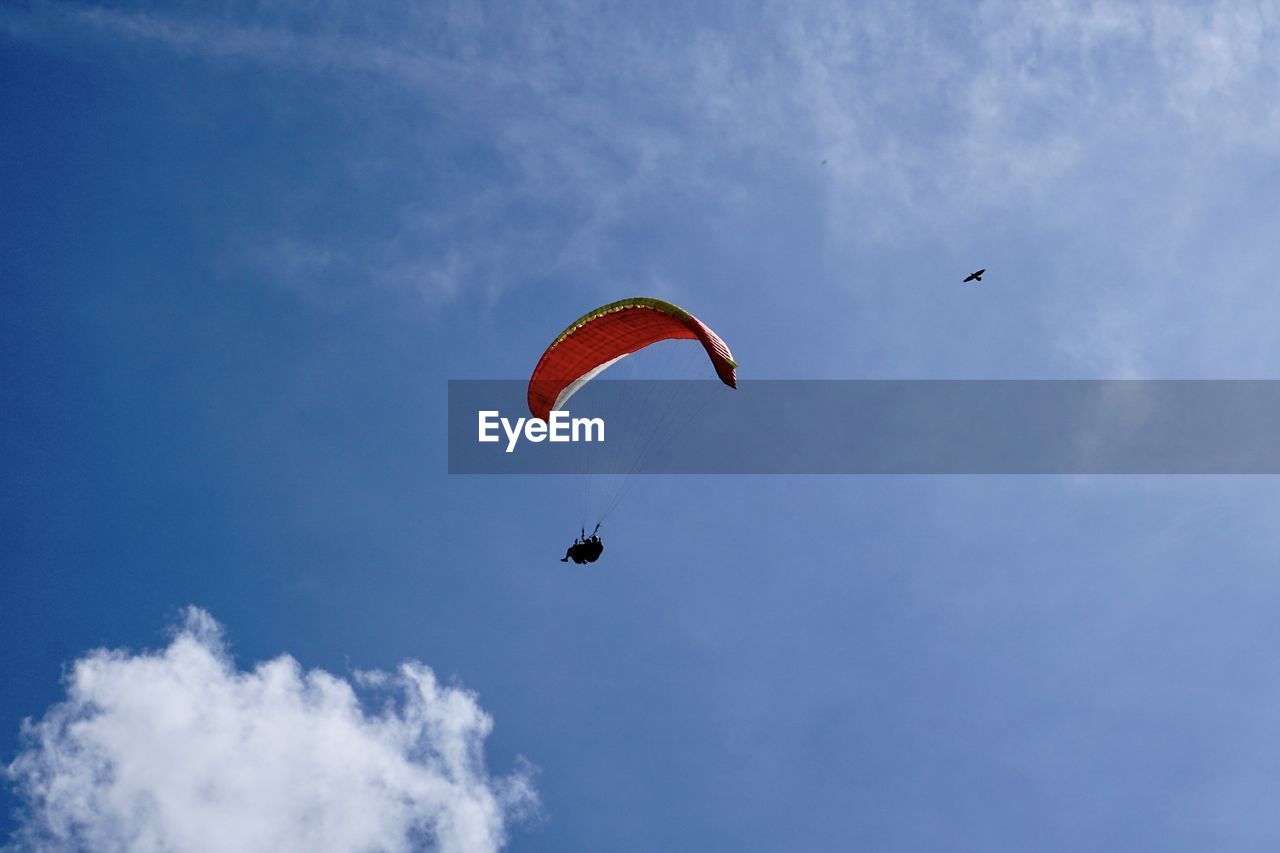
[(975, 276)]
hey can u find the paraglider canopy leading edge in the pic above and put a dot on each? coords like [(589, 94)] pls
[(603, 336)]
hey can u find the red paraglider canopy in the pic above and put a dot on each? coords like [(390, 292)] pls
[(596, 340)]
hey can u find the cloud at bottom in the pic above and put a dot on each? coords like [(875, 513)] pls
[(176, 749)]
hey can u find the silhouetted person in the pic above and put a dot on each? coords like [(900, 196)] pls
[(975, 276), (585, 549)]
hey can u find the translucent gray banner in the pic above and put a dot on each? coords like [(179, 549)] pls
[(880, 427)]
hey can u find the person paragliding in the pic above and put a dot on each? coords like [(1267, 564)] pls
[(585, 549), (600, 338)]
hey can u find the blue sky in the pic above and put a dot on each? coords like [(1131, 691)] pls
[(243, 246)]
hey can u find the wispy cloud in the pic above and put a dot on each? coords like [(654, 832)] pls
[(1090, 117), (906, 105), (177, 750)]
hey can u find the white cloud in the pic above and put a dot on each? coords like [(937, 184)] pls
[(177, 750)]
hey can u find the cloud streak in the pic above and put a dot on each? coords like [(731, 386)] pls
[(998, 105), (1002, 100), (177, 750), (902, 126)]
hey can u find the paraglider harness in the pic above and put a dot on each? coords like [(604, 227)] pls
[(585, 549)]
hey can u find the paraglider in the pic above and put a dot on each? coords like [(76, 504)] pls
[(585, 549), (601, 338)]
